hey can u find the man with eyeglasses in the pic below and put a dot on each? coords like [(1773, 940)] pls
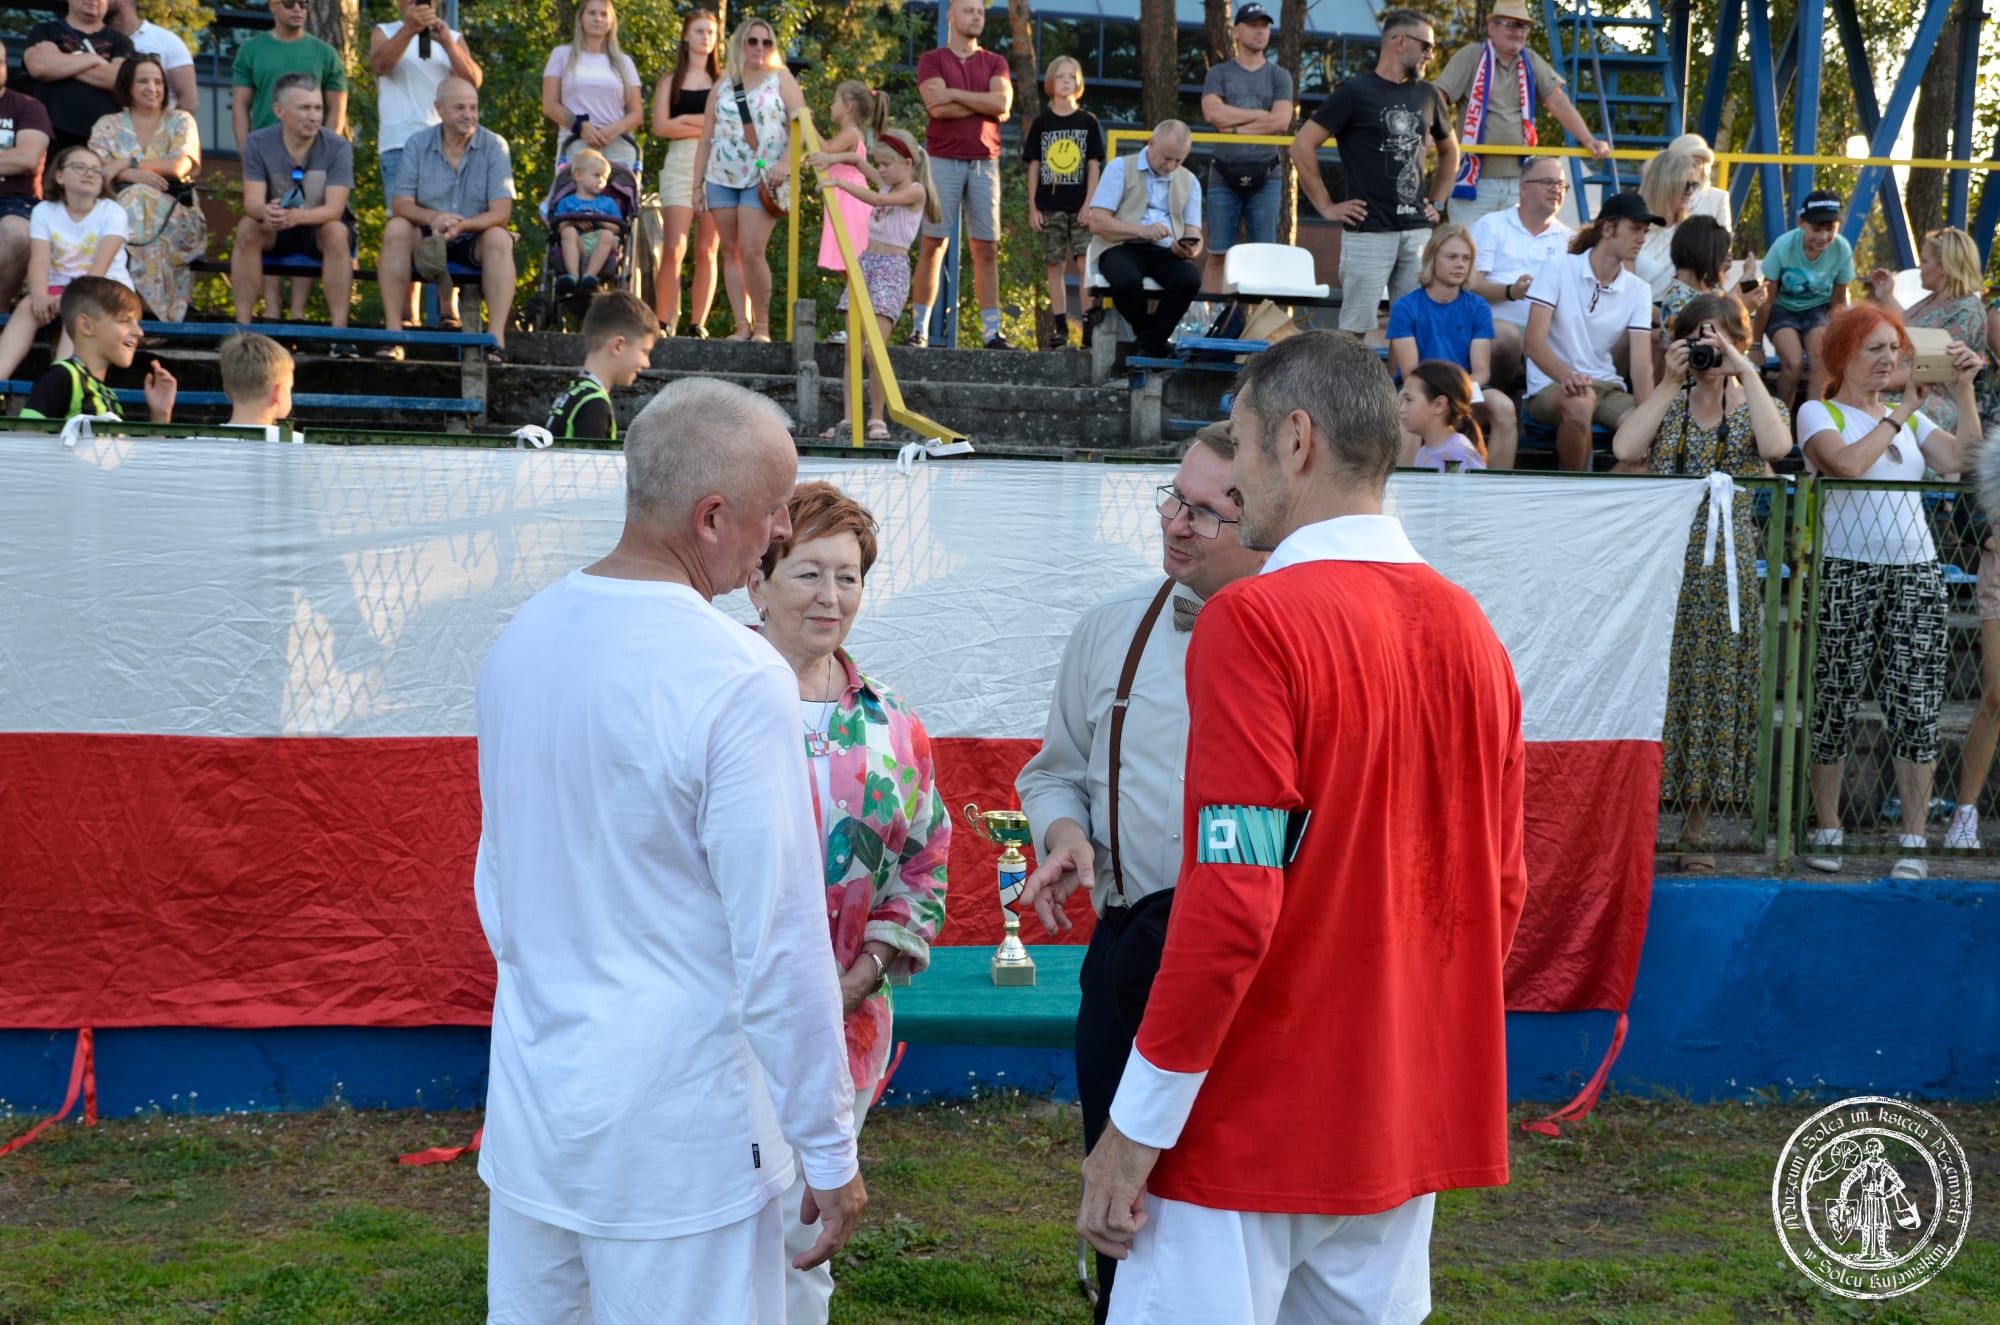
[(286, 49), (1382, 120), (1104, 793), (297, 176), (74, 61), (1512, 245), (1497, 85)]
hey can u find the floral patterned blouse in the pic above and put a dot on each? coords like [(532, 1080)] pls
[(732, 163), (887, 837)]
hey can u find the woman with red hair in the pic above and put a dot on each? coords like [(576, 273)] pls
[(1881, 593)]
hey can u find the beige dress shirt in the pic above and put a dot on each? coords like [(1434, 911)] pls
[(1071, 776)]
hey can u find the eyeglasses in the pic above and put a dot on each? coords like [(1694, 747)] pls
[(1207, 524), (82, 169), (1556, 182), (1429, 47), (1511, 24)]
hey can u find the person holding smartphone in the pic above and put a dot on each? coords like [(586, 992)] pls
[(1145, 221)]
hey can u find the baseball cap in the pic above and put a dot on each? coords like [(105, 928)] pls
[(1252, 13), (1628, 207), (1820, 205)]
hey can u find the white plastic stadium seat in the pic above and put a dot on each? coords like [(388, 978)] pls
[(1277, 271)]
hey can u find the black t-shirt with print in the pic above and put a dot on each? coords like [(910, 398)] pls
[(1383, 129), (1063, 144), (74, 105)]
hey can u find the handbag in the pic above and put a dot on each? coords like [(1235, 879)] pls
[(777, 201), (1246, 176)]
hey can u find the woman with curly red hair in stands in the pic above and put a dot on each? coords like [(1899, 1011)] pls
[(1881, 592)]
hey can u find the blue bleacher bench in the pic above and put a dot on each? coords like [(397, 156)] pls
[(300, 400)]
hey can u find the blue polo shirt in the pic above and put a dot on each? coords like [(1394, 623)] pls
[(1442, 331)]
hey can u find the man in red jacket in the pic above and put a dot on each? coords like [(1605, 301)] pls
[(1325, 1045)]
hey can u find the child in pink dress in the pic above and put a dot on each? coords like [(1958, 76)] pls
[(859, 115)]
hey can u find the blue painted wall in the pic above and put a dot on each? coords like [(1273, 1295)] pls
[(1745, 984)]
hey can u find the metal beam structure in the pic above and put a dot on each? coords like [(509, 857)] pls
[(1883, 142), (1793, 72)]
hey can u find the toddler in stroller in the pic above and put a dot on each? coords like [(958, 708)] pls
[(588, 223)]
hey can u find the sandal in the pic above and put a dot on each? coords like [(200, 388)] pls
[(496, 355), (878, 431), (390, 353), (833, 434), (449, 324)]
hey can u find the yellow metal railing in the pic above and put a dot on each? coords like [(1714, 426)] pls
[(1724, 159), (863, 336)]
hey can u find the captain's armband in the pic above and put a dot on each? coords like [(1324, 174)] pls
[(1249, 835)]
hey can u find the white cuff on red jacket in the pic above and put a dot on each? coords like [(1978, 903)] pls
[(1152, 1104)]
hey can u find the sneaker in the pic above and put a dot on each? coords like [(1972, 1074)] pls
[(1059, 338), (919, 340), (1963, 835), (1910, 867), (1824, 837), (565, 286), (343, 349), (589, 285), (837, 338), (998, 343)]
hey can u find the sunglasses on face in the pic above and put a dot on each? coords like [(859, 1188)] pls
[(289, 4), (1428, 46), (759, 41), (1510, 24)]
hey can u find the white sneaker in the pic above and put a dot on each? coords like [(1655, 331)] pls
[(1963, 835), (1824, 837), (1910, 867)]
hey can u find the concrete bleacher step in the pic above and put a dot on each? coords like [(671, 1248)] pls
[(991, 367)]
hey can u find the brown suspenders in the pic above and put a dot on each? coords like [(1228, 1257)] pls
[(1119, 701)]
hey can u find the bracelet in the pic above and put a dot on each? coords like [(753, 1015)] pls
[(881, 971)]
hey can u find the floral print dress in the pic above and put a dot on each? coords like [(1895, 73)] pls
[(1712, 687), (166, 235), (887, 837)]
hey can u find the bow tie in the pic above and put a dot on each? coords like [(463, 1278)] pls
[(1185, 610)]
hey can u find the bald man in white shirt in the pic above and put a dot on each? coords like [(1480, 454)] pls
[(666, 1024), (1132, 854)]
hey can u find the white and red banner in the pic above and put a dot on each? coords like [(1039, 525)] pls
[(236, 682)]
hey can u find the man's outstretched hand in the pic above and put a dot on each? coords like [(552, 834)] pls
[(1068, 863)]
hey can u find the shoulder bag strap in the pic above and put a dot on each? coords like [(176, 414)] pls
[(750, 135), (1119, 702)]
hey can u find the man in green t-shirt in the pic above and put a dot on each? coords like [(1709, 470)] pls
[(286, 49)]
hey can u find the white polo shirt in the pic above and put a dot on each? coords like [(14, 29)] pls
[(1590, 319), (1507, 251)]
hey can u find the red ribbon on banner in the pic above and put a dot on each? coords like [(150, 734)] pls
[(1579, 1108), (82, 1081)]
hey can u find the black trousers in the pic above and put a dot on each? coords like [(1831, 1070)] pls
[(1102, 1046), (1125, 268)]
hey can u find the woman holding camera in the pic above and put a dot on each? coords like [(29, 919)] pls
[(1711, 413), (1881, 592)]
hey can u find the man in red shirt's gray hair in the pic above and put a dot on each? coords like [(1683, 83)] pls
[(1325, 1046)]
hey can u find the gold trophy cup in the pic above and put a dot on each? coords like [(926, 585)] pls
[(1009, 830)]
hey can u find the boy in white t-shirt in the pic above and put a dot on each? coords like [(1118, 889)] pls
[(1581, 305)]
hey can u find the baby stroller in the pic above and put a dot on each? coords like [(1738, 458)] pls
[(544, 311)]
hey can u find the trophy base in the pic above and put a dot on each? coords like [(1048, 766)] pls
[(1007, 973)]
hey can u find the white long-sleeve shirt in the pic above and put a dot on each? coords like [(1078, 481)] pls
[(667, 1015), (1070, 777)]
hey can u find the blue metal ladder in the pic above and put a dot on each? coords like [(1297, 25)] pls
[(1619, 74)]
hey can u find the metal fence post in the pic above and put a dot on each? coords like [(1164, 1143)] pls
[(1773, 719)]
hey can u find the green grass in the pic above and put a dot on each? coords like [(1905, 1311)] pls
[(1654, 1211)]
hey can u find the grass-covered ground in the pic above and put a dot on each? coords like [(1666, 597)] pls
[(1653, 1211)]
